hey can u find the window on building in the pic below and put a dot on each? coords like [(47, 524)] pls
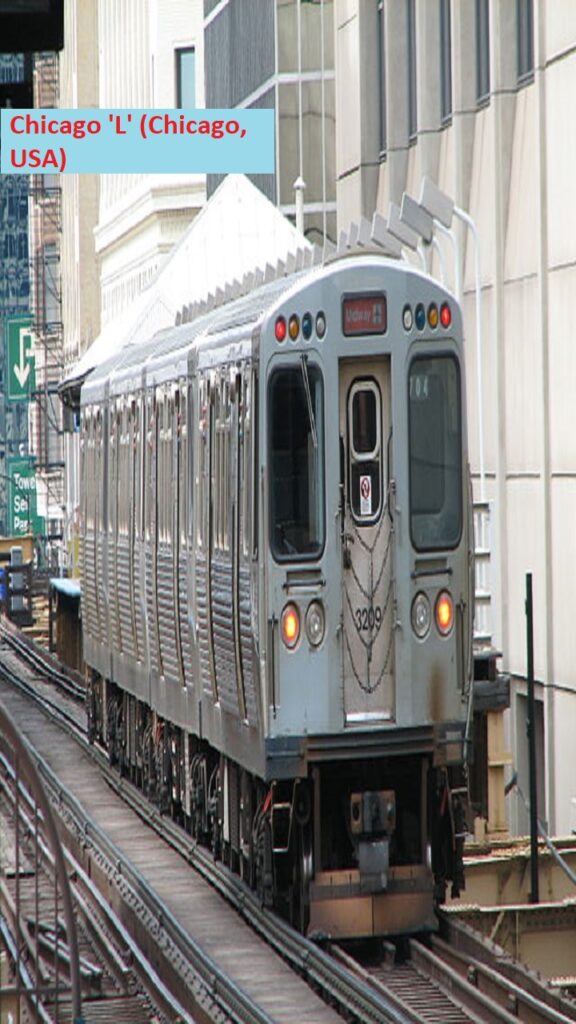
[(381, 78), (185, 78), (482, 51), (412, 104), (525, 40), (445, 62)]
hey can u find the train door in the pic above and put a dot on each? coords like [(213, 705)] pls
[(367, 556)]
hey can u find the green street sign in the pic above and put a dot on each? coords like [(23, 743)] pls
[(22, 508), (21, 374)]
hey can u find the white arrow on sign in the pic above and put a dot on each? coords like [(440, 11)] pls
[(22, 368)]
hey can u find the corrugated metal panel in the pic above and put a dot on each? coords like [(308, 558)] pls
[(124, 596), (166, 614), (247, 646), (151, 614), (203, 621), (185, 638), (223, 633), (101, 607), (138, 607)]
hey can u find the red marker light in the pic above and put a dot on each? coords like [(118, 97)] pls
[(445, 315), (280, 328)]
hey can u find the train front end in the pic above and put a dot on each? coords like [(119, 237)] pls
[(366, 597)]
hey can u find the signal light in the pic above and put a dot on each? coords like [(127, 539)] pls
[(315, 623), (293, 327), (433, 315), (280, 329), (290, 625), (307, 326), (445, 315), (320, 325), (444, 613), (407, 318), (421, 615), (420, 317)]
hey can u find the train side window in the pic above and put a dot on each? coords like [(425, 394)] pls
[(202, 461), (221, 468), (182, 455), (435, 453), (296, 462), (245, 482)]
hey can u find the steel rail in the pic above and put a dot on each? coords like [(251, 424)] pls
[(335, 981)]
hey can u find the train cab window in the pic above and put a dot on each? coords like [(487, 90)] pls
[(296, 461), (365, 450), (435, 454)]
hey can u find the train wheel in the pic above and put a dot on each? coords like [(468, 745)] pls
[(302, 871)]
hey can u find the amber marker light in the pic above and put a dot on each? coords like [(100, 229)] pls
[(433, 315), (293, 327), (290, 625), (444, 613)]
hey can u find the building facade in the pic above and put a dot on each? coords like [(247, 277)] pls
[(476, 95), (279, 55)]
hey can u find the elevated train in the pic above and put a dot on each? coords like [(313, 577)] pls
[(277, 587)]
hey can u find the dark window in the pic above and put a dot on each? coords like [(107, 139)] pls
[(412, 102), (445, 62), (435, 453), (482, 51), (525, 40), (365, 434), (364, 423), (185, 78), (381, 78), (296, 463)]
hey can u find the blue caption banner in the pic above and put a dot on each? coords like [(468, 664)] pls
[(96, 141)]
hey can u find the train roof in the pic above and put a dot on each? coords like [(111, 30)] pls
[(233, 319)]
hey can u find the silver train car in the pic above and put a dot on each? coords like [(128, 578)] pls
[(277, 587)]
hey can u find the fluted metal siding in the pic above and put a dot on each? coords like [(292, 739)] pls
[(223, 633), (124, 596), (185, 638), (247, 646), (151, 612), (202, 612), (167, 614)]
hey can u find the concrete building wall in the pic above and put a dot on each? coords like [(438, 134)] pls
[(509, 161)]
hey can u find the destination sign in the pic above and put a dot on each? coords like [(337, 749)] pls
[(364, 314)]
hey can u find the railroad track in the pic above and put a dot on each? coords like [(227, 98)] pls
[(431, 986)]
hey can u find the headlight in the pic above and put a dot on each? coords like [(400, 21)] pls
[(421, 615), (315, 623), (444, 612), (290, 625)]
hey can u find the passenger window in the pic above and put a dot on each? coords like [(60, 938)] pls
[(296, 461)]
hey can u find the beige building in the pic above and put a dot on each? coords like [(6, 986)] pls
[(117, 229), (477, 95)]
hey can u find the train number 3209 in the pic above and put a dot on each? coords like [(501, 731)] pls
[(368, 618)]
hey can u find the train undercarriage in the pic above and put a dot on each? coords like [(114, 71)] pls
[(357, 848)]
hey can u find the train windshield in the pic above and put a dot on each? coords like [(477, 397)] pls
[(296, 461), (435, 453)]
